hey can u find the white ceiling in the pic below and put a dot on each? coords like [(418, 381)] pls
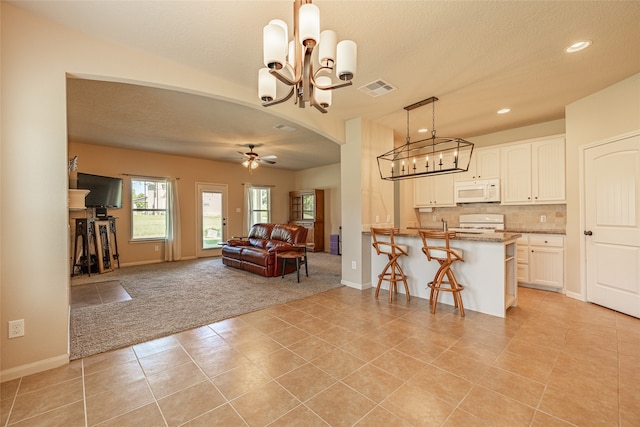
[(475, 56)]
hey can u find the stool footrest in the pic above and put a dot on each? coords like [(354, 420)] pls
[(449, 289)]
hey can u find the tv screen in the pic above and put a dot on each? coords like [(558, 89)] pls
[(104, 191)]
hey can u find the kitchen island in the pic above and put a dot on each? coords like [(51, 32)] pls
[(488, 272)]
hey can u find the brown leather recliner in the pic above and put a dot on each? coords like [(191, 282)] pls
[(258, 252)]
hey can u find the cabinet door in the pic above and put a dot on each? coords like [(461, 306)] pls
[(515, 161), (546, 266), (548, 171), (470, 174), (488, 163), (442, 190), (422, 192)]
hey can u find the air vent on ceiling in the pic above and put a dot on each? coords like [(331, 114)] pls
[(377, 88), (285, 128)]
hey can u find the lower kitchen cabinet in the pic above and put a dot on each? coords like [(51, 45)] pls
[(541, 260)]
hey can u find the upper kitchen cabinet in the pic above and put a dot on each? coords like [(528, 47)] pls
[(533, 171), (484, 164), (432, 191)]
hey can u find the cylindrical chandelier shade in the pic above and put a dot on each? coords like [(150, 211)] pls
[(328, 41), (307, 63), (309, 24), (275, 44), (266, 85), (291, 56), (323, 97), (346, 60)]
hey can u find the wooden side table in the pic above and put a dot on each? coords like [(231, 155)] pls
[(300, 259)]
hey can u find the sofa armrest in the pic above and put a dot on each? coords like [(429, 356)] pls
[(237, 242)]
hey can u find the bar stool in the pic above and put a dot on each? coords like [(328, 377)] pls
[(383, 242), (446, 256)]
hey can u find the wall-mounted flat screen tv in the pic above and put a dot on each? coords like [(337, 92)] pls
[(104, 191)]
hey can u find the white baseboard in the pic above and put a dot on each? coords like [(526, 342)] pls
[(360, 286), (33, 368), (576, 295)]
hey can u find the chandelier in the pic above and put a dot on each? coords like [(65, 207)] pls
[(291, 62), (431, 156)]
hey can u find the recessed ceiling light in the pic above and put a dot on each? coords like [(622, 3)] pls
[(423, 130), (578, 46), (504, 111)]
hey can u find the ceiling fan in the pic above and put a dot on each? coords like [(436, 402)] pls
[(252, 159)]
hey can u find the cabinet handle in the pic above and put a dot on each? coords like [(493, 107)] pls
[(588, 233)]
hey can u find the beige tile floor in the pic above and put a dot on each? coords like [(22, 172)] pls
[(98, 293), (343, 358)]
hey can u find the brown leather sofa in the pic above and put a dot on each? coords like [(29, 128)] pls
[(258, 252)]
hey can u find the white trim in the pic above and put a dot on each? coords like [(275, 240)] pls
[(35, 367), (359, 286), (575, 295)]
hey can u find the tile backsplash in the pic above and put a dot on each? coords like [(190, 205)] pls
[(526, 217)]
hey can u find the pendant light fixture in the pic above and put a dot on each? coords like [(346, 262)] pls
[(431, 156), (291, 63)]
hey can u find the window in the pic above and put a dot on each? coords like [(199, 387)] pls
[(148, 209), (259, 205)]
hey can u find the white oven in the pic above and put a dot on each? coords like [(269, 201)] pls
[(480, 191), (480, 223)]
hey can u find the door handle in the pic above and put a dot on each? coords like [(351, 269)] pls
[(588, 233)]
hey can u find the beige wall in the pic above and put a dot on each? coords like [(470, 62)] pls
[(117, 162), (37, 55), (325, 178), (606, 114), (365, 196)]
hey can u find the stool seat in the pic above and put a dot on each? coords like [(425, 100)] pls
[(384, 244), (445, 256)]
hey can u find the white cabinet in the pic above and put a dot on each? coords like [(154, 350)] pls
[(433, 191), (533, 172), (522, 255), (484, 164), (541, 260)]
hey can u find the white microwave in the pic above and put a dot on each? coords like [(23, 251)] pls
[(480, 191)]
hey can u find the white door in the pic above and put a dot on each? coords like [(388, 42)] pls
[(612, 220), (212, 213)]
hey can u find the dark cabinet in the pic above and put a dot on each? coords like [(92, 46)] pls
[(306, 208)]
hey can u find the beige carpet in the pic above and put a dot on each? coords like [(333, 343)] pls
[(172, 297)]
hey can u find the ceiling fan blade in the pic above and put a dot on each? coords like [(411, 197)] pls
[(271, 156), (271, 162)]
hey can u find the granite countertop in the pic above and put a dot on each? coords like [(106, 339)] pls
[(507, 230), (497, 237), (529, 231)]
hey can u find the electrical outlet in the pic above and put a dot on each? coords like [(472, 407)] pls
[(156, 248), (543, 218), (238, 210), (377, 219), (388, 218), (353, 265), (434, 217), (16, 328)]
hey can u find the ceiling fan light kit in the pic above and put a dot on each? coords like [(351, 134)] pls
[(253, 160), (431, 156), (308, 85)]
